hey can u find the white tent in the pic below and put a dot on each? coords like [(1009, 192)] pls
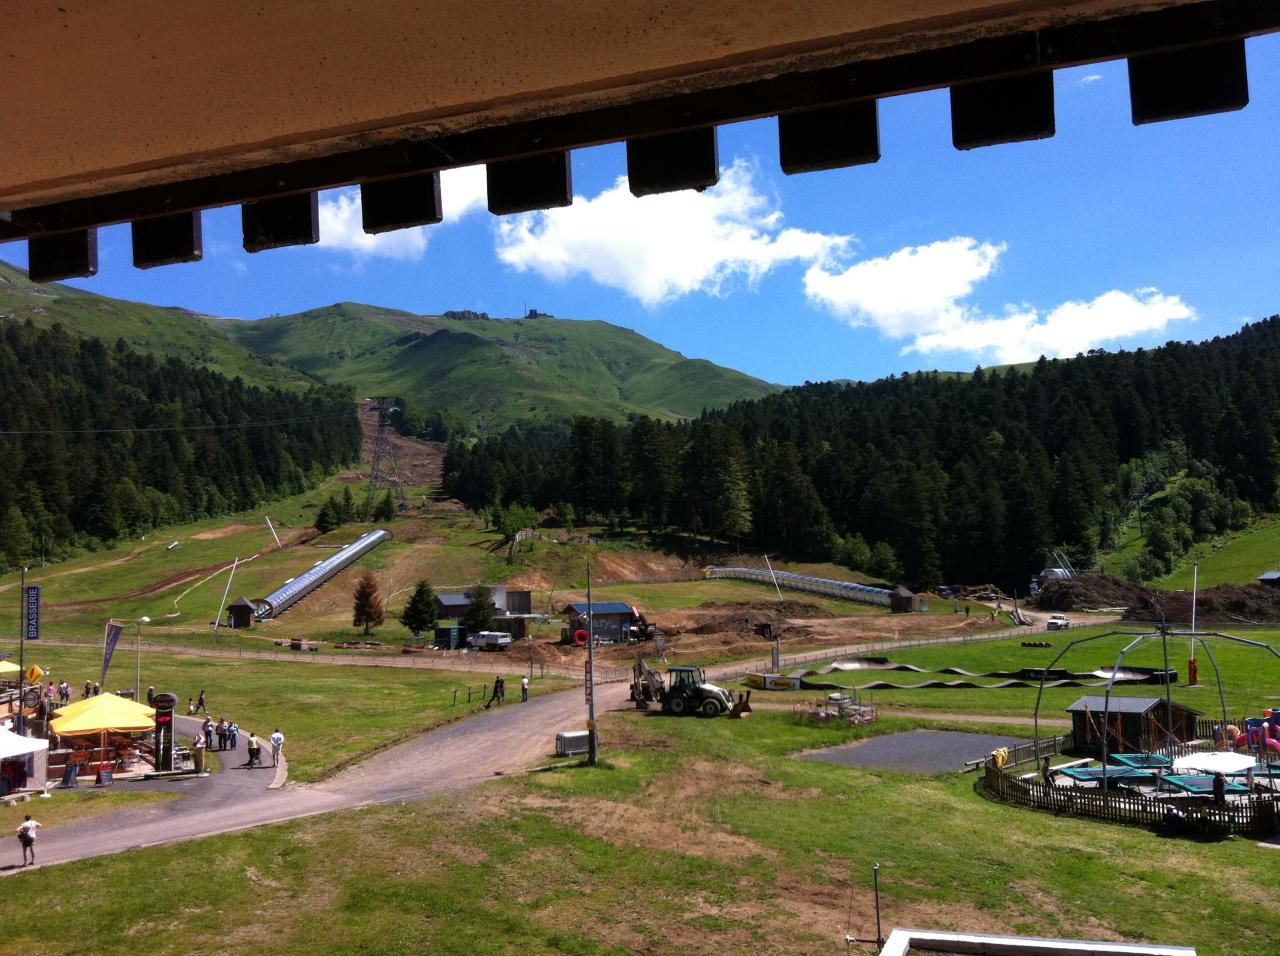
[(1214, 762), (33, 751)]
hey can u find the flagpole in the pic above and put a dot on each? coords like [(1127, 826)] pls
[(20, 723)]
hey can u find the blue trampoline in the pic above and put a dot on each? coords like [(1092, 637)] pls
[(1201, 784), (1118, 774), (1144, 761)]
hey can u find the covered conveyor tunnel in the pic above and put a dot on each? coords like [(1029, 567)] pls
[(295, 589)]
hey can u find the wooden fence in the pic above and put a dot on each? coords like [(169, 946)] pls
[(1254, 816), (1026, 753)]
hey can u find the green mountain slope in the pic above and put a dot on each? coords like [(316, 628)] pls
[(496, 371), (152, 329)]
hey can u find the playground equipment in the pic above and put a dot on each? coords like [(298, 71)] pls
[(1261, 735)]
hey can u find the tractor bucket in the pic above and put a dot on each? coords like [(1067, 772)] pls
[(742, 706)]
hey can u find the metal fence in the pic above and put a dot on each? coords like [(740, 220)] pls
[(1254, 816), (1029, 752)]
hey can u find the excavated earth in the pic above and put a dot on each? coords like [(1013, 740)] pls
[(1224, 605)]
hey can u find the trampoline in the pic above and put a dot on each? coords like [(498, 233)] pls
[(1120, 774), (1259, 773), (1144, 761), (1201, 784)]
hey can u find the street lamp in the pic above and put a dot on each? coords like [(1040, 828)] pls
[(137, 686)]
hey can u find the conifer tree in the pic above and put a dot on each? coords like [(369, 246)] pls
[(367, 609), (420, 613)]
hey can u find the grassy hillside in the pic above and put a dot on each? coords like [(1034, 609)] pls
[(496, 371), (147, 328), (1231, 559)]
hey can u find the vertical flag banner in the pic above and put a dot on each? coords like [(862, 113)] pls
[(31, 612), (109, 640)]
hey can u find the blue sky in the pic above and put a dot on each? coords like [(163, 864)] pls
[(1107, 235)]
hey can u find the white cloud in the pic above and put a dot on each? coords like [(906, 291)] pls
[(462, 191), (920, 293), (1068, 329), (662, 247), (908, 292), (1090, 78)]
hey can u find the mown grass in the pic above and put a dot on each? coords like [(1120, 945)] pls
[(1232, 559), (329, 713), (1251, 677), (63, 806), (693, 836)]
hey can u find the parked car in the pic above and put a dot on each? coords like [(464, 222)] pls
[(1058, 622)]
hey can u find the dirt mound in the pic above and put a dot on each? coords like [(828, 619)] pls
[(631, 566), (1091, 591), (531, 581), (1225, 604)]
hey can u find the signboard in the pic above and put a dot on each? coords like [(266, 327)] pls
[(34, 674), (164, 703), (109, 640), (31, 612), (586, 673)]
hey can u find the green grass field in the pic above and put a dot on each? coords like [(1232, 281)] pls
[(1234, 559), (328, 712), (695, 836), (1251, 678)]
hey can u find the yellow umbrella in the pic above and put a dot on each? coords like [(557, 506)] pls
[(84, 704), (106, 712), (9, 670)]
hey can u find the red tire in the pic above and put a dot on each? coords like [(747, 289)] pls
[(580, 637)]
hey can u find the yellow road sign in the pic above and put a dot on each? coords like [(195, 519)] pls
[(34, 674)]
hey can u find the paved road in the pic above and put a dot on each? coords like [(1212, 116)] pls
[(507, 739)]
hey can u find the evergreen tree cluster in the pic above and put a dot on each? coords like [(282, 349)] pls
[(927, 477), (79, 472)]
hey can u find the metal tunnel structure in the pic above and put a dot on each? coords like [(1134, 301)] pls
[(803, 582), (293, 591)]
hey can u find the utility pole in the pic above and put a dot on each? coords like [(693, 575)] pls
[(592, 746), (1192, 676)]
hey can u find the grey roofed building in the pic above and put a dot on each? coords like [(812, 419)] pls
[(1133, 724), (1118, 704), (1270, 577)]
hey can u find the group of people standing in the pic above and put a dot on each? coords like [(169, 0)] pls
[(225, 732), (226, 735)]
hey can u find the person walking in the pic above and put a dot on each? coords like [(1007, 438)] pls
[(524, 689), (27, 837), (255, 750), (191, 707), (200, 704), (206, 728), (151, 696), (277, 746), (88, 689), (97, 688), (221, 730), (233, 734)]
